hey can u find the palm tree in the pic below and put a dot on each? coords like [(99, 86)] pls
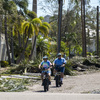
[(22, 4), (42, 27), (70, 38), (35, 26), (42, 46), (28, 29), (9, 8)]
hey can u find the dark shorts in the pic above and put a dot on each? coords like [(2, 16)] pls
[(60, 69)]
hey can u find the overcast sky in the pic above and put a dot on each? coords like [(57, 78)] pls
[(41, 13)]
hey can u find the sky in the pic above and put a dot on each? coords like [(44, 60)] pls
[(41, 13)]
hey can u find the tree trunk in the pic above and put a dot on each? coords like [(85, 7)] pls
[(22, 54), (59, 25), (69, 51), (23, 41), (19, 39), (34, 8), (12, 47), (23, 46), (97, 30), (33, 48), (0, 36), (83, 28), (6, 37)]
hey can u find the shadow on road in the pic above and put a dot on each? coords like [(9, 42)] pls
[(39, 91), (53, 87)]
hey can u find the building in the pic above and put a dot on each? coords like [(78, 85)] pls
[(92, 46)]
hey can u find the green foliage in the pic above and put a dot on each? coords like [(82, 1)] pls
[(30, 66), (78, 50), (89, 54), (41, 18), (42, 46), (94, 53), (13, 85), (4, 63), (68, 70), (28, 50), (63, 46), (31, 14)]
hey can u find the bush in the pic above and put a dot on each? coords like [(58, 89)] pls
[(89, 54), (68, 70), (87, 62), (32, 67), (4, 63)]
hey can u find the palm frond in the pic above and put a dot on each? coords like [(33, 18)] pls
[(25, 26), (36, 21), (47, 24), (44, 30)]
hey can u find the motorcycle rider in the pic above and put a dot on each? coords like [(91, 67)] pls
[(46, 64), (59, 63)]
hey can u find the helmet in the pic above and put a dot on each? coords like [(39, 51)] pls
[(45, 57), (59, 54)]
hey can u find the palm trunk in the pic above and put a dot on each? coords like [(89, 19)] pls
[(23, 46), (23, 41), (69, 51), (19, 39), (83, 28), (0, 36), (33, 47), (6, 37), (98, 31), (34, 8), (22, 54), (12, 47)]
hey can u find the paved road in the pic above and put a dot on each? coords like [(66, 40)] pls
[(47, 96), (86, 83)]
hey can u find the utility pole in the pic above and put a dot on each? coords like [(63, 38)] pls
[(83, 28), (97, 30), (60, 2)]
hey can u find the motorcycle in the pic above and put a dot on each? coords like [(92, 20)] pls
[(58, 78), (45, 80)]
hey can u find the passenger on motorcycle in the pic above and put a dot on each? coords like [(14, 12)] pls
[(45, 64), (59, 64)]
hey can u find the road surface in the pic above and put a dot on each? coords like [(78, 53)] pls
[(86, 83), (47, 96)]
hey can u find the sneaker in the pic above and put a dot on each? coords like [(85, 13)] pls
[(49, 82), (61, 82)]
